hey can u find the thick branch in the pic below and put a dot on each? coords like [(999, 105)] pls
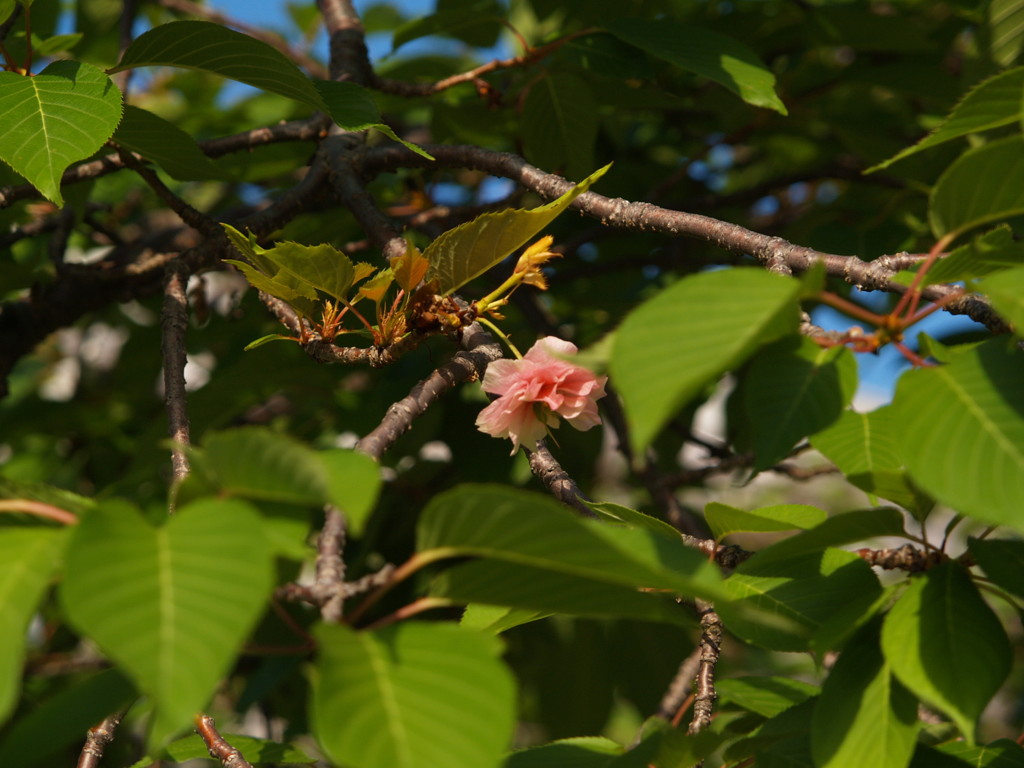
[(772, 252), (479, 349)]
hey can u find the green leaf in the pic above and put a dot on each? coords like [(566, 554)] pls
[(794, 388), (56, 118), (845, 622), (990, 252), (470, 249), (1002, 560), (992, 103), (211, 47), (255, 463), (412, 695), (543, 591), (29, 555), (1006, 292), (1005, 30), (256, 751), (166, 145), (171, 605), (846, 528), (284, 289), (724, 519), (946, 645), (1003, 753), (496, 619), (671, 347), (978, 188), (863, 716), (53, 725), (354, 483), (616, 513), (961, 428), (766, 696), (799, 593), (532, 530), (478, 23), (322, 266), (864, 447), (352, 107), (716, 57), (579, 752), (559, 124)]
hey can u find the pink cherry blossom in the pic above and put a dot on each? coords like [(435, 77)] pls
[(536, 390)]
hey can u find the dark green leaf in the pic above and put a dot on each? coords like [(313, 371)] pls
[(543, 591), (581, 752), (978, 188), (939, 620), (354, 482), (717, 57), (559, 121), (863, 716), (794, 388), (165, 144), (532, 530), (412, 695), (1002, 560), (1006, 292), (57, 723), (846, 528), (478, 22), (990, 104), (993, 251), (793, 597), (671, 347)]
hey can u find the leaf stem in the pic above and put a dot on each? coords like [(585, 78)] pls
[(39, 509), (497, 332)]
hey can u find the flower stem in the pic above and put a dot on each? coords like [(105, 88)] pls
[(502, 336)]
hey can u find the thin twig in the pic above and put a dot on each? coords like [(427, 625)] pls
[(97, 740), (704, 686), (680, 687), (194, 218), (174, 322), (219, 748)]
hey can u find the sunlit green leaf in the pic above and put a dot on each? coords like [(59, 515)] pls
[(29, 555), (846, 528), (51, 120), (864, 447), (580, 752), (322, 266), (412, 695), (767, 696), (671, 347), (255, 751), (961, 430), (941, 618), (171, 605), (470, 249), (724, 519)]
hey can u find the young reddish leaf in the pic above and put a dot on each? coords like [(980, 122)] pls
[(410, 268)]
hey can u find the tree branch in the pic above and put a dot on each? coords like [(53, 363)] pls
[(174, 321), (771, 252), (219, 748), (97, 740)]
